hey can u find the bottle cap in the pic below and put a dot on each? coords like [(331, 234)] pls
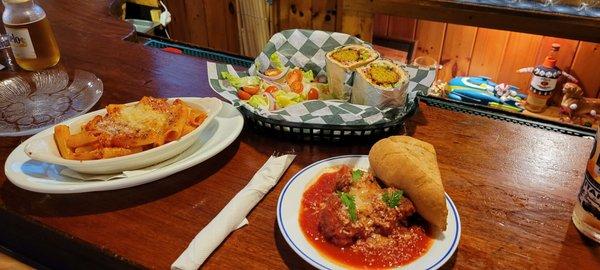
[(549, 62)]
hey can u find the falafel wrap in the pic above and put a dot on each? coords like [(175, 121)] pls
[(381, 83), (341, 63)]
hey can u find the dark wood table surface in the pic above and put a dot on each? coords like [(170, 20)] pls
[(514, 186)]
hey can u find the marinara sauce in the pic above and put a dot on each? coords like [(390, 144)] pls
[(411, 242)]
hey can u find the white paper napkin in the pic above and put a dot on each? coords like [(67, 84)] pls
[(233, 214)]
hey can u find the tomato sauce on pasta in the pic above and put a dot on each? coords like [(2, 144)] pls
[(128, 129)]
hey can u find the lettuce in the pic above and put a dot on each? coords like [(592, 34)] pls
[(275, 61), (238, 82), (308, 76), (284, 99), (259, 101), (257, 64)]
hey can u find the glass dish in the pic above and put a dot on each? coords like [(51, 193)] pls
[(30, 102)]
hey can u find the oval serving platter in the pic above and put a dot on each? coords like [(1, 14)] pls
[(46, 178), (42, 146)]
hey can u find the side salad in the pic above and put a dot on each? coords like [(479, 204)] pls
[(285, 87)]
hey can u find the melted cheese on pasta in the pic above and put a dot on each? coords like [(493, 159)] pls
[(144, 118), (135, 121)]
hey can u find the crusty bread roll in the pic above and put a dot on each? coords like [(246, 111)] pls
[(409, 164)]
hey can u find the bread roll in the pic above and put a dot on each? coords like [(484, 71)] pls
[(409, 164)]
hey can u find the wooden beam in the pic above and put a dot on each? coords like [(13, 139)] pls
[(504, 18)]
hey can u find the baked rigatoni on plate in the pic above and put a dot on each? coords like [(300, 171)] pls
[(126, 136)]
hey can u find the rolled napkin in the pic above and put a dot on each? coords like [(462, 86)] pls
[(233, 214)]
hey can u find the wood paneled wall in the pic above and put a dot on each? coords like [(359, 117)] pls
[(462, 50), (467, 50), (307, 14), (207, 23)]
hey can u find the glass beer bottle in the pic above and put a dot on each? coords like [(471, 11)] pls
[(586, 215), (31, 37)]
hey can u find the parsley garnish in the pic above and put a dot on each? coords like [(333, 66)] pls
[(392, 199), (357, 175), (348, 201)]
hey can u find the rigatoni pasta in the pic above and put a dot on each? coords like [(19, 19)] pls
[(126, 130)]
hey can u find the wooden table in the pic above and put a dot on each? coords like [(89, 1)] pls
[(514, 186)]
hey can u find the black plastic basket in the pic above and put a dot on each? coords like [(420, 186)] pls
[(327, 133)]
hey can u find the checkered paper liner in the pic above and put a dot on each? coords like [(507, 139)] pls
[(307, 49), (302, 48), (330, 112)]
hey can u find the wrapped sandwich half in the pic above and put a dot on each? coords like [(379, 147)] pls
[(381, 83), (341, 63)]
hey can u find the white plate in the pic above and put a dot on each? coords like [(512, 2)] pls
[(42, 147), (288, 208), (44, 177)]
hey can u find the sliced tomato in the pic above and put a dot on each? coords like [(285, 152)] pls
[(297, 87), (243, 95), (294, 76), (313, 93), (271, 89), (252, 89)]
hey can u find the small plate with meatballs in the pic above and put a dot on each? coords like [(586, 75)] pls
[(384, 210)]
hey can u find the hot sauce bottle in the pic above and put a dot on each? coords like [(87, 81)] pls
[(543, 82), (31, 38)]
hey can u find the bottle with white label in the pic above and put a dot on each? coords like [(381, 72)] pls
[(543, 82), (31, 38)]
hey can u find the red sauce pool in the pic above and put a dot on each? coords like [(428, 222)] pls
[(406, 252)]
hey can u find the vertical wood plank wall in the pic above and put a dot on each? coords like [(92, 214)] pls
[(307, 14), (467, 50), (208, 23), (462, 50)]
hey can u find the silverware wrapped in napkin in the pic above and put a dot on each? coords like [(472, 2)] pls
[(233, 215)]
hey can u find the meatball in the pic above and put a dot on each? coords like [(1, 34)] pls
[(373, 214), (335, 224)]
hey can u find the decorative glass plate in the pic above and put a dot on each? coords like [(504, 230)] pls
[(30, 102)]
